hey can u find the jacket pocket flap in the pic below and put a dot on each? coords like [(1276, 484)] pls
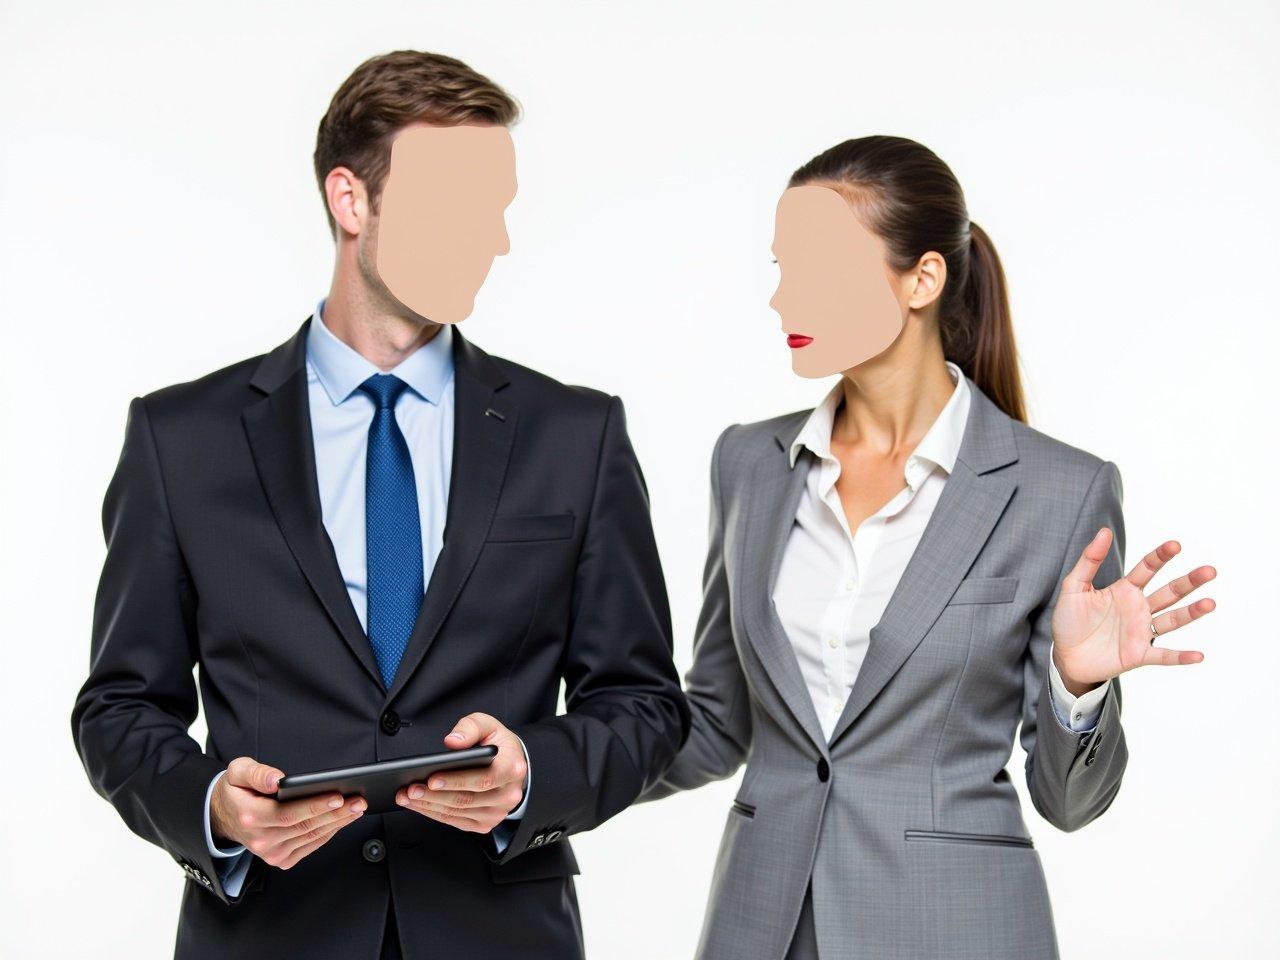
[(985, 590), (551, 860), (531, 526)]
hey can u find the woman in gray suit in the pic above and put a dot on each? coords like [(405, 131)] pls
[(896, 579)]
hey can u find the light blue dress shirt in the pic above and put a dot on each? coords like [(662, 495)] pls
[(340, 420)]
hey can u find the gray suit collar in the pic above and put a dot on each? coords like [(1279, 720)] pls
[(970, 506), (988, 437)]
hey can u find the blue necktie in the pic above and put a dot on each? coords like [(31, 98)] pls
[(393, 532)]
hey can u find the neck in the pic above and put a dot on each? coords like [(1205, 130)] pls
[(379, 328), (890, 402)]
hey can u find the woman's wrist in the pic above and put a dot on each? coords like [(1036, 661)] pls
[(1075, 687)]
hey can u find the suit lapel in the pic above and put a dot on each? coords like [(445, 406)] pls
[(484, 428), (279, 431), (776, 488), (971, 503)]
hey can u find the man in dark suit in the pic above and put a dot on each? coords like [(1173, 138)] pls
[(377, 541)]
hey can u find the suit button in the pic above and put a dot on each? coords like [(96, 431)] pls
[(390, 723), (824, 770), (373, 850)]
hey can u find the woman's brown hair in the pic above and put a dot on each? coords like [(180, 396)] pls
[(909, 198)]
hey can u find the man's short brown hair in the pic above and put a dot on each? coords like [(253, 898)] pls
[(388, 92)]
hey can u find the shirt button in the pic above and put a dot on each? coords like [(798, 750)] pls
[(848, 586), (832, 642)]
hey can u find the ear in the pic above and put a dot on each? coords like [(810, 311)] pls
[(348, 200), (928, 278)]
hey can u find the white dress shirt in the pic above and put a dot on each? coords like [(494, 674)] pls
[(834, 584), (340, 418)]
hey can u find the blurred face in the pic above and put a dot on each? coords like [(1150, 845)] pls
[(441, 219), (835, 293)]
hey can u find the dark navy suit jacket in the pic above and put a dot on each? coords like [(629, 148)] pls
[(217, 558)]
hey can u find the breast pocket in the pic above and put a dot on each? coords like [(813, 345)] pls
[(524, 528), (985, 590)]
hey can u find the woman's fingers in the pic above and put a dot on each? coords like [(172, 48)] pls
[(1081, 576), (1168, 622), (1150, 565), (1175, 590), (1165, 657)]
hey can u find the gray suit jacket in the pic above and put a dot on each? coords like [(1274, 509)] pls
[(906, 822)]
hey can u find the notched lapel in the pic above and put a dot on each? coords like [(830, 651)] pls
[(971, 504), (775, 488), (279, 431), (484, 429)]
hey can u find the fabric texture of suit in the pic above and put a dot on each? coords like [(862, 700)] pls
[(905, 822), (217, 556)]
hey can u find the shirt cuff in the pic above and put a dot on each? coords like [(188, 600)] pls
[(504, 831), (215, 850), (232, 875), (518, 812), (232, 862), (1077, 714)]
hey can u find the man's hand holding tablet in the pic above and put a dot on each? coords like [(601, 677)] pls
[(282, 830), (243, 810), (475, 800)]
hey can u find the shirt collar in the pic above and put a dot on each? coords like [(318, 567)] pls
[(940, 446), (340, 369)]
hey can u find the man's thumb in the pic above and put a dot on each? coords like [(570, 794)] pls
[(470, 730), (247, 772)]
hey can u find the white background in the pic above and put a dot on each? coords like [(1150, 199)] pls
[(160, 220)]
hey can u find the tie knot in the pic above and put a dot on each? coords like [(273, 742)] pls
[(385, 388)]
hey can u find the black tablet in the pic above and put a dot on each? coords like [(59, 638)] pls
[(378, 782)]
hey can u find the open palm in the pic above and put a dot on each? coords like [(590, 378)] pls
[(1100, 633)]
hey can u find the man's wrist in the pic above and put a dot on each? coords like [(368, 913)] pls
[(518, 812), (219, 846)]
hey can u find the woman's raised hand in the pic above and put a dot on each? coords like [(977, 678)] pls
[(1100, 633)]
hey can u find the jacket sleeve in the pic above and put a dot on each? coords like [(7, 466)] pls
[(626, 716), (131, 716), (1073, 777), (720, 704)]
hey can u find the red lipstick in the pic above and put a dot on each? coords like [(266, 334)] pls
[(797, 340)]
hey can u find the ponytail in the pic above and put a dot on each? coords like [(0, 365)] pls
[(993, 357)]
